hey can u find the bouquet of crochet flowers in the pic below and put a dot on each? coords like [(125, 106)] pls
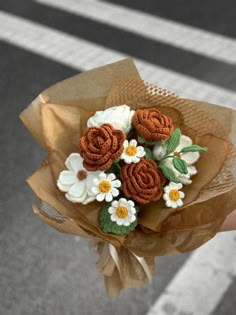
[(128, 159), (133, 167)]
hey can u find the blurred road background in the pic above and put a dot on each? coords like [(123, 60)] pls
[(186, 46)]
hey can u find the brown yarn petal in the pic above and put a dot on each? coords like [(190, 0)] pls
[(142, 181), (101, 146), (152, 125)]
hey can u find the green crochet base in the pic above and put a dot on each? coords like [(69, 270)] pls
[(109, 226)]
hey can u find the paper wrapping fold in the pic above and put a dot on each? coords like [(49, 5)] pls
[(57, 119)]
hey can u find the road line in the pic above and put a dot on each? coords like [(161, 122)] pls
[(180, 35), (201, 282), (84, 55)]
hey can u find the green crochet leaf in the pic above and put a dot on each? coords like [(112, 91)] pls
[(180, 165), (115, 168), (194, 148), (144, 141), (141, 139), (168, 173), (173, 141), (109, 226), (149, 154)]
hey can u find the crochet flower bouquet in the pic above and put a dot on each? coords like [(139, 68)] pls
[(133, 167)]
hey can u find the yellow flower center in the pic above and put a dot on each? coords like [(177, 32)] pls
[(131, 150), (104, 186), (174, 195), (121, 212)]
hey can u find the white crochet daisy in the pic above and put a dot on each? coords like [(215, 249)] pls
[(132, 153), (77, 181), (105, 187), (122, 212), (173, 196)]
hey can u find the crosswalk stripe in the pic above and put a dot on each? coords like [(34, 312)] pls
[(212, 16), (177, 34), (155, 52), (201, 282), (83, 55)]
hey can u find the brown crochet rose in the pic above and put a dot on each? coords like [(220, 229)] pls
[(101, 146), (152, 125), (142, 181)]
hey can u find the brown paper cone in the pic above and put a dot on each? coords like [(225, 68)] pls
[(57, 119)]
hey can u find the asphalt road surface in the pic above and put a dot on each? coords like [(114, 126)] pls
[(186, 46)]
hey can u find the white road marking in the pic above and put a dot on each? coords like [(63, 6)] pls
[(176, 34), (200, 284), (83, 55)]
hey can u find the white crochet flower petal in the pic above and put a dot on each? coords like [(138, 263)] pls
[(120, 221), (128, 159), (112, 210), (114, 217), (130, 203), (169, 203), (190, 157), (115, 204), (80, 199), (174, 204), (132, 210), (125, 144), (181, 194), (184, 179), (116, 183), (184, 142), (91, 176), (141, 152), (115, 192), (173, 185), (166, 197), (95, 190), (78, 189), (179, 186), (108, 197), (179, 203), (120, 117), (111, 177), (67, 178), (136, 159), (122, 202), (74, 162), (63, 187), (96, 181), (192, 170), (166, 189), (133, 218), (102, 176), (133, 142), (159, 151), (126, 222), (100, 197)]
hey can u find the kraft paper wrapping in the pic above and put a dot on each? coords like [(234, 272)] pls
[(57, 119)]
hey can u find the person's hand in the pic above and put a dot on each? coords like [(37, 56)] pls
[(230, 222)]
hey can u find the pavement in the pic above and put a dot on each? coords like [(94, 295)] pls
[(44, 272)]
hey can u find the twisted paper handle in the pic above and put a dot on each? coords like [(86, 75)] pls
[(141, 260), (110, 264)]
